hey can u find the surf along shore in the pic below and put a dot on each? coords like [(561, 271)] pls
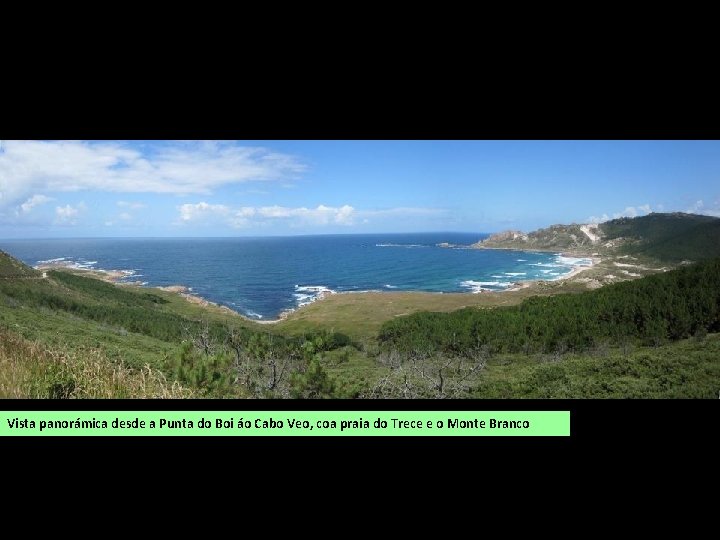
[(359, 312)]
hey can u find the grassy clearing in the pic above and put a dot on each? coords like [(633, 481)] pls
[(360, 315), (29, 369)]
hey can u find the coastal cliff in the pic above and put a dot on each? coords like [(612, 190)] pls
[(670, 237), (555, 237)]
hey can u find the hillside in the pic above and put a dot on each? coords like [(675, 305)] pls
[(69, 335), (12, 268), (555, 237), (668, 237), (65, 335)]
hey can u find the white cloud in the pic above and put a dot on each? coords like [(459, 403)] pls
[(125, 216), (700, 208), (28, 167), (201, 211), (131, 205), (321, 215), (598, 219), (277, 211), (405, 211), (246, 212), (696, 208), (630, 211), (32, 202), (67, 215), (345, 215)]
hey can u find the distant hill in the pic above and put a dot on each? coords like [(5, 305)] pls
[(551, 238), (12, 268), (671, 237)]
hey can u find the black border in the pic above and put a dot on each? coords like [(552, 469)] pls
[(630, 434), (627, 431)]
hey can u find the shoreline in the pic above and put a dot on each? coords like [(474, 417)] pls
[(115, 277)]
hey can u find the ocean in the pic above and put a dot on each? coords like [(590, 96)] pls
[(263, 277)]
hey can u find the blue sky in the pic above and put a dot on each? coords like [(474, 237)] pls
[(256, 188)]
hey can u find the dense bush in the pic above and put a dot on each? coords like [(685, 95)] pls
[(670, 237), (669, 306)]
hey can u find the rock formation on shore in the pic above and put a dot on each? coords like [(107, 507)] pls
[(554, 237)]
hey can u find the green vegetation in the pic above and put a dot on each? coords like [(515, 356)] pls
[(668, 237), (687, 369), (555, 237), (32, 370), (65, 335), (663, 237), (85, 298), (669, 306), (12, 268), (68, 323)]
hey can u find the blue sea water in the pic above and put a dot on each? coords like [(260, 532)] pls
[(262, 277)]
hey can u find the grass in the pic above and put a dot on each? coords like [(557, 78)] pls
[(12, 268), (30, 369), (136, 325), (685, 369), (360, 315), (51, 352)]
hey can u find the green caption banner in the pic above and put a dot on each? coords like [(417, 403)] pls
[(285, 423)]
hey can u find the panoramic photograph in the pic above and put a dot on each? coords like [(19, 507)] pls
[(360, 269)]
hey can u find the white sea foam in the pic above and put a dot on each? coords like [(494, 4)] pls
[(574, 261), (307, 294), (479, 286), (513, 274), (313, 288), (547, 265), (390, 286), (252, 314), (83, 264), (522, 260)]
